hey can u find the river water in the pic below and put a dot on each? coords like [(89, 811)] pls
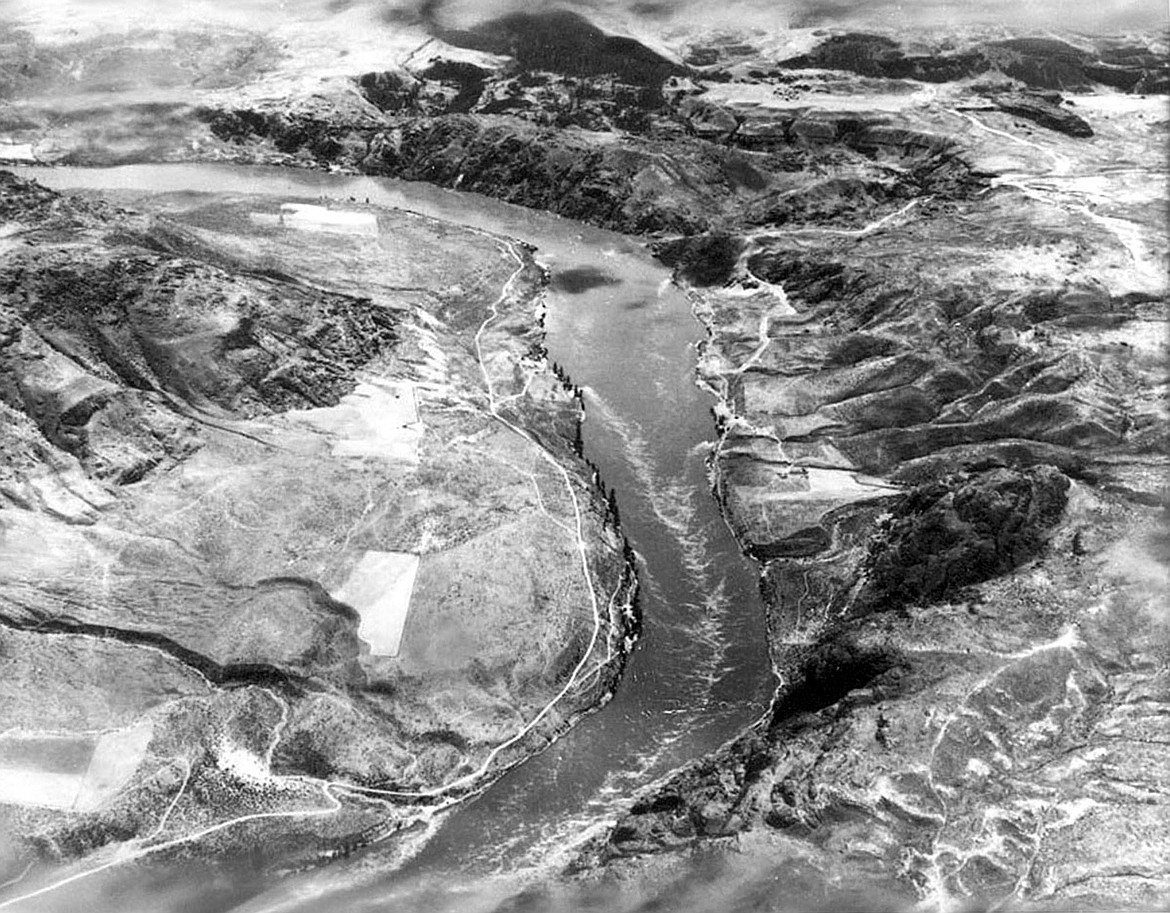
[(700, 673)]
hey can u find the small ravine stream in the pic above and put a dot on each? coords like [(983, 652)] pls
[(700, 674)]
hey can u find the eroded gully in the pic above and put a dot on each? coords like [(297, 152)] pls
[(700, 674)]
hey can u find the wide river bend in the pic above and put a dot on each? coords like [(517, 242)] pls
[(700, 673)]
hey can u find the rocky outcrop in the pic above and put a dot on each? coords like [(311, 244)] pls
[(330, 126), (961, 531), (1044, 110), (702, 260)]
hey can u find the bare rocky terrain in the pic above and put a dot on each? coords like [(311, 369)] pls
[(933, 273)]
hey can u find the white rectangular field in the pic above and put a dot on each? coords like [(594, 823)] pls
[(40, 782), (12, 151), (379, 588), (308, 217)]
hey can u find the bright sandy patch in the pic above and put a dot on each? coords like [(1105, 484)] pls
[(378, 419), (379, 589)]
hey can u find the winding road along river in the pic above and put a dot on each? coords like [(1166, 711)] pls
[(700, 674)]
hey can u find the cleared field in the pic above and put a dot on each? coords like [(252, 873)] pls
[(70, 772), (308, 217), (378, 419), (379, 588)]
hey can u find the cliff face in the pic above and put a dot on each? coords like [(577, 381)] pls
[(259, 535)]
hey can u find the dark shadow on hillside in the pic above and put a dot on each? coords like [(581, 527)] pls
[(564, 42)]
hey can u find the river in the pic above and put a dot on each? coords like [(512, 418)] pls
[(700, 673)]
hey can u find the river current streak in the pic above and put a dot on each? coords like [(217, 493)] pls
[(700, 673)]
